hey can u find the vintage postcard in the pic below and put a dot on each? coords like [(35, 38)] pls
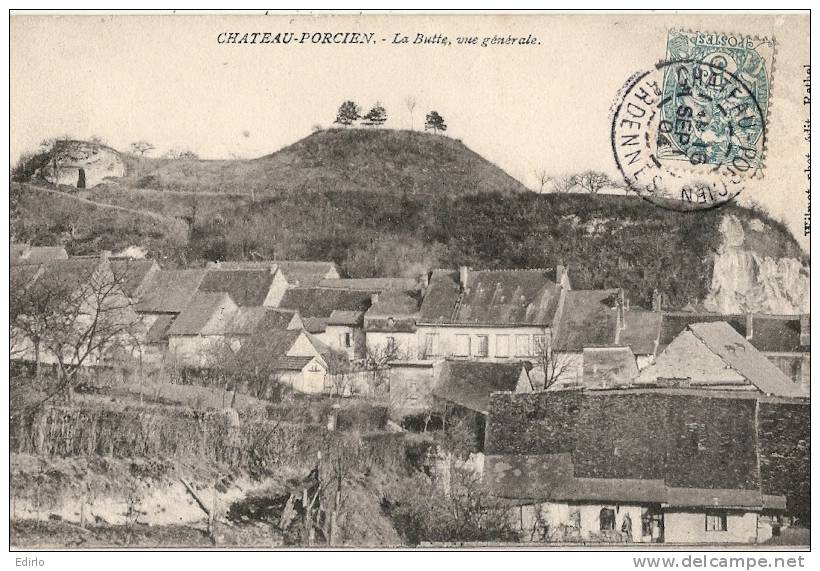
[(409, 281)]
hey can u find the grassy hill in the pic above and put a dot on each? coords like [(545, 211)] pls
[(377, 160), (390, 203)]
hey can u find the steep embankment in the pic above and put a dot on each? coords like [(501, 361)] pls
[(750, 275), (382, 202), (378, 160)]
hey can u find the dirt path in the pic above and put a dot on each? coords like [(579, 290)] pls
[(148, 213), (185, 192)]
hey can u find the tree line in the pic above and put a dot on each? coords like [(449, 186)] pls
[(350, 112)]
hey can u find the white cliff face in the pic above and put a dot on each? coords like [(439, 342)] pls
[(744, 280)]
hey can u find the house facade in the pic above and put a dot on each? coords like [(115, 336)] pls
[(488, 314), (643, 466)]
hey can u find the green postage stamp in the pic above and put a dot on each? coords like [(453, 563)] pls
[(715, 102)]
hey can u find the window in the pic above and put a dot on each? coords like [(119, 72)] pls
[(462, 345), (431, 344), (539, 344), (522, 345), (716, 521), (391, 344), (502, 345), (482, 346), (344, 339), (607, 519)]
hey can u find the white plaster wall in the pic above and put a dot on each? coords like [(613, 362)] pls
[(690, 527), (447, 340), (377, 341)]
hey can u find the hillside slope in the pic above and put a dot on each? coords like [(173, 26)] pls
[(400, 203), (377, 160)]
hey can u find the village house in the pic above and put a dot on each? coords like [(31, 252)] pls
[(247, 287), (134, 274), (335, 316), (714, 355), (89, 292), (291, 357), (646, 466), (784, 339), (390, 326), (489, 314), (286, 274), (463, 388), (212, 328)]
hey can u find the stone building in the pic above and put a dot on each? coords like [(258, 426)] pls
[(81, 164)]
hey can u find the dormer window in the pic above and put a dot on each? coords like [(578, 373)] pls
[(391, 322)]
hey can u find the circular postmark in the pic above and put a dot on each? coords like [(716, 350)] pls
[(688, 134)]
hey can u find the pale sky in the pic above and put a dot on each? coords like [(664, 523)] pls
[(165, 79)]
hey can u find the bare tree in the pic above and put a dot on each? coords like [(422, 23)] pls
[(593, 181), (78, 318), (543, 178), (563, 184), (555, 365), (410, 103), (141, 148)]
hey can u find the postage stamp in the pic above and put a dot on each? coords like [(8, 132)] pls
[(706, 117), (691, 131)]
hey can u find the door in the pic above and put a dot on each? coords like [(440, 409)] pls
[(81, 179)]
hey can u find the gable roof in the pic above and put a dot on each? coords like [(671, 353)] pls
[(271, 345), (316, 305), (158, 332), (71, 273), (195, 318), (246, 287), (607, 367), (738, 353), (170, 291), (306, 273), (778, 333), (642, 331), (691, 448), (132, 273), (674, 322), (372, 284), (345, 317), (399, 306), (588, 319), (470, 383), (490, 297)]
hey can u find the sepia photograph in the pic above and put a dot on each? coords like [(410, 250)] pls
[(424, 281)]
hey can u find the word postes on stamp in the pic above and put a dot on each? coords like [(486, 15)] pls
[(688, 133)]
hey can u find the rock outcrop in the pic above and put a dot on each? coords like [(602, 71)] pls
[(746, 280), (81, 164)]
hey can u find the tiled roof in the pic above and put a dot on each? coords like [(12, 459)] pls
[(132, 273), (316, 305), (738, 353), (196, 317), (393, 311), (609, 367), (306, 273), (170, 291), (470, 383), (345, 317), (675, 322), (777, 334), (588, 319), (491, 297), (74, 272), (248, 288), (158, 332), (642, 331), (271, 345), (690, 447), (372, 284), (289, 363)]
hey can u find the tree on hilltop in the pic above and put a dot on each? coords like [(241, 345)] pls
[(141, 148), (376, 116), (434, 122), (348, 113)]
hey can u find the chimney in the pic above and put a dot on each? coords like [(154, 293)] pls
[(657, 301), (623, 305), (805, 330), (749, 325), (463, 275)]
